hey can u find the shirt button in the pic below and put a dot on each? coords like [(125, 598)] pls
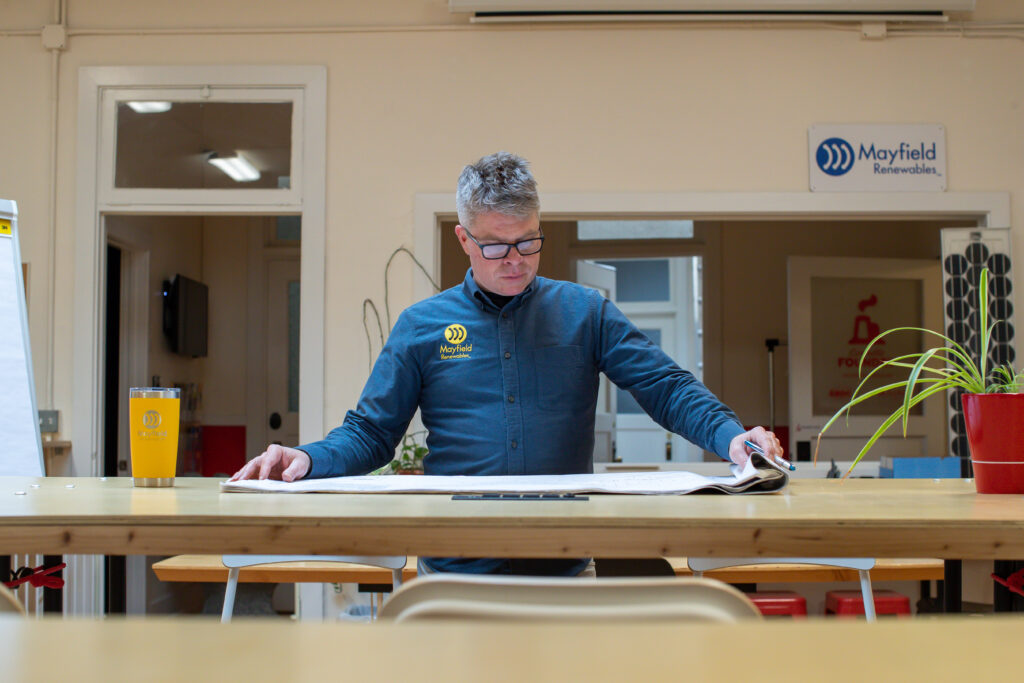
[(511, 398), (504, 315), (507, 355), (514, 444)]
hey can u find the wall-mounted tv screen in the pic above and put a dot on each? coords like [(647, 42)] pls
[(185, 312)]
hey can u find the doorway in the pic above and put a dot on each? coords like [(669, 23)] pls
[(742, 289), (125, 186), (249, 268)]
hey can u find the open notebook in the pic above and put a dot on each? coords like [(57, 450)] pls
[(758, 476)]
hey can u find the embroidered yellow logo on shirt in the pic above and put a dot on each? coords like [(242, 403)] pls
[(456, 347), (455, 334)]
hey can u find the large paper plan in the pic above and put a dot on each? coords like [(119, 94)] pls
[(758, 476)]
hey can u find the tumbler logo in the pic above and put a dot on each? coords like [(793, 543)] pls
[(835, 156)]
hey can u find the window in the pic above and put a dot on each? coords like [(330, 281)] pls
[(174, 145), (201, 146), (634, 230)]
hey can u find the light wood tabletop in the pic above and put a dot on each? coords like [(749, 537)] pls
[(873, 518), (184, 649)]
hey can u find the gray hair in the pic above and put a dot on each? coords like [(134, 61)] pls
[(500, 183)]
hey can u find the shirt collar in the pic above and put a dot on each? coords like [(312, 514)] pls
[(472, 291)]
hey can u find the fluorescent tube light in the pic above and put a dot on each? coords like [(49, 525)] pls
[(149, 107), (238, 167)]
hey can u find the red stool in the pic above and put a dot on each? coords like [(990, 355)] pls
[(851, 603), (779, 603)]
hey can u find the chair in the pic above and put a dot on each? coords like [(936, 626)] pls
[(511, 598), (699, 565), (235, 562), (9, 601)]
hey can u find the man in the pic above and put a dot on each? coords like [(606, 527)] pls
[(504, 369)]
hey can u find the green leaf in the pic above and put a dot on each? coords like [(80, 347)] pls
[(890, 421), (908, 394)]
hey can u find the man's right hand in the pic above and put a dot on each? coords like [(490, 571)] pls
[(277, 462)]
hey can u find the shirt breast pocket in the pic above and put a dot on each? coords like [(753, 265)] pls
[(563, 381)]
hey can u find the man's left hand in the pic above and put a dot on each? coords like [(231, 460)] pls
[(739, 453)]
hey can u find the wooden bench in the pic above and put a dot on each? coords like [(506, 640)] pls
[(208, 568)]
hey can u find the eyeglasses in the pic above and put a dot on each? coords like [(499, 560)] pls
[(499, 250)]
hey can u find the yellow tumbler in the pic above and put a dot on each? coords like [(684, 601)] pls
[(153, 414)]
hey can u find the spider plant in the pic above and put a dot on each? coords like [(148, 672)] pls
[(924, 378)]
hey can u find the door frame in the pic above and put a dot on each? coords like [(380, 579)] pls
[(85, 594)]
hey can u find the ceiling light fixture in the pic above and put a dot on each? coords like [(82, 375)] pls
[(237, 166), (153, 107)]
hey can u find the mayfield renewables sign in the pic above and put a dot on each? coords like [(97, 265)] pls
[(877, 158)]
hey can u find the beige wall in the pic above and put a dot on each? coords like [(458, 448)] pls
[(614, 108), (225, 272)]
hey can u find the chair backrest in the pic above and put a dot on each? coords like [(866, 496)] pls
[(461, 596), (9, 601), (706, 564)]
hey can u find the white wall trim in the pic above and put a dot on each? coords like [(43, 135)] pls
[(991, 209), (85, 591), (256, 365), (134, 343)]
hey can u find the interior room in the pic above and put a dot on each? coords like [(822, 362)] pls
[(252, 209)]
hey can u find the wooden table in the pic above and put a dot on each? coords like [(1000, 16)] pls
[(859, 517), (196, 649)]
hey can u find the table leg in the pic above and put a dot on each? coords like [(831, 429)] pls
[(953, 587), (53, 598)]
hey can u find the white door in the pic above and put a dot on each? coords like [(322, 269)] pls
[(836, 306), (601, 278), (638, 437), (659, 296), (282, 392)]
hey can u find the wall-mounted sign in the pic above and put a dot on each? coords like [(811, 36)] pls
[(877, 158)]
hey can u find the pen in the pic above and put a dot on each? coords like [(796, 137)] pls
[(757, 449)]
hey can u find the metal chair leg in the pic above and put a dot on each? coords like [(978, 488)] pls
[(867, 594), (229, 595)]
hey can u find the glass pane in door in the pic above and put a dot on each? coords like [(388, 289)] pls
[(640, 280), (203, 145)]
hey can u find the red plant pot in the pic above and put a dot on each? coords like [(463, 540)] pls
[(995, 432)]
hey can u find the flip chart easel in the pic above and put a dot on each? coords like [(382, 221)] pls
[(21, 453)]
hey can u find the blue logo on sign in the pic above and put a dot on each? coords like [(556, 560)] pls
[(835, 156)]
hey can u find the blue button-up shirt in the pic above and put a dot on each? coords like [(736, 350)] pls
[(513, 390)]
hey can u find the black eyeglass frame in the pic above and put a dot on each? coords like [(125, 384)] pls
[(508, 246)]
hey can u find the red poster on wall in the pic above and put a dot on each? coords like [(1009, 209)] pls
[(846, 315)]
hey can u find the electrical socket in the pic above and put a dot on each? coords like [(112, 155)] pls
[(49, 421)]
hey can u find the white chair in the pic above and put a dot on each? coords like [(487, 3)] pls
[(235, 562), (511, 598), (9, 601), (699, 565)]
